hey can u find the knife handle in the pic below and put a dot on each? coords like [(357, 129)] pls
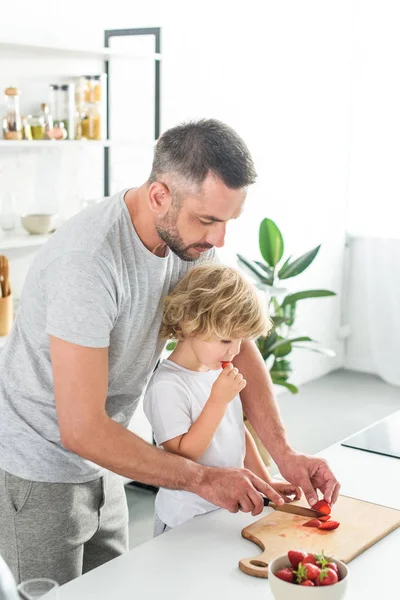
[(266, 500)]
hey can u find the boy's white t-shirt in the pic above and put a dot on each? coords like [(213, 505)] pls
[(174, 400)]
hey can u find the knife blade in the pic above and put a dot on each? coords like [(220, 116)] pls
[(293, 509)]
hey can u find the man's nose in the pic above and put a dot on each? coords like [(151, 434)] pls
[(216, 237)]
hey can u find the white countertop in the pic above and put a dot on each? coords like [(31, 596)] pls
[(198, 561)]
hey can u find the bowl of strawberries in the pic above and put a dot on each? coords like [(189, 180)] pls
[(299, 574)]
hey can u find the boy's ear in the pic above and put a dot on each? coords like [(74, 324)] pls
[(160, 198)]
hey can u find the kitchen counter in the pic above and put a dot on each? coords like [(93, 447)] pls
[(198, 561)]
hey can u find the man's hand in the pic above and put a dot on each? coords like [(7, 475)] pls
[(311, 474), (236, 489)]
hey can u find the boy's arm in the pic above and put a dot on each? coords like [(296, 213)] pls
[(195, 442), (253, 460)]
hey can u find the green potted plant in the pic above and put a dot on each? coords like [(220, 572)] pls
[(269, 274)]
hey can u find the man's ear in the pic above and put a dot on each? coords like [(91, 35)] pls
[(160, 198)]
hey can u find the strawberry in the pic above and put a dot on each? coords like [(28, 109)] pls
[(312, 571), (326, 518), (313, 523), (310, 558), (308, 583), (328, 577), (322, 506), (306, 571), (329, 525), (285, 575), (316, 559), (295, 557), (225, 363), (332, 565)]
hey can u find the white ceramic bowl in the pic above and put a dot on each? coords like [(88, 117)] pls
[(38, 224), (282, 590)]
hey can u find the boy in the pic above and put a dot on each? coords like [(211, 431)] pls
[(192, 404)]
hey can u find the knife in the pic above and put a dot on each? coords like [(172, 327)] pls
[(293, 509)]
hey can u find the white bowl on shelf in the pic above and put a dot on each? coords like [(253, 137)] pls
[(38, 224), (283, 590)]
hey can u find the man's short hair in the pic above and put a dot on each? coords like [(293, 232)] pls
[(193, 150)]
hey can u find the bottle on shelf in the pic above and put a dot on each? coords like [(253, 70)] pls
[(53, 101), (67, 108), (47, 120), (26, 128), (12, 124)]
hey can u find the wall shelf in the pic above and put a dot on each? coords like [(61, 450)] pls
[(31, 50), (21, 239), (53, 144)]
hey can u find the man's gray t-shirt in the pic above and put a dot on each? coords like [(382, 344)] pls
[(95, 284)]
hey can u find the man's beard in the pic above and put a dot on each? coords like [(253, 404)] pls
[(169, 234)]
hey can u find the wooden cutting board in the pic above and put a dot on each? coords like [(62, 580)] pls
[(362, 524)]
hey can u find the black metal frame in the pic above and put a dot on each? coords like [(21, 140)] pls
[(108, 33)]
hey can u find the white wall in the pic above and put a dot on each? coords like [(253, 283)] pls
[(374, 184), (278, 72)]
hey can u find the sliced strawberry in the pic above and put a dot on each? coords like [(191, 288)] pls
[(323, 506), (328, 577), (225, 364), (285, 575), (313, 523), (329, 525), (308, 583), (326, 518), (295, 557)]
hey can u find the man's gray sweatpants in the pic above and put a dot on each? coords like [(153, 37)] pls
[(61, 530)]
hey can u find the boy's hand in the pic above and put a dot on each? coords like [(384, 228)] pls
[(286, 489), (228, 385)]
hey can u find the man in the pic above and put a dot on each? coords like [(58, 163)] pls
[(84, 345)]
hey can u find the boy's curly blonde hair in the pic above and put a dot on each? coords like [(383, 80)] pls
[(214, 300)]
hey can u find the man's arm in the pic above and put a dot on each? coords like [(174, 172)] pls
[(80, 386), (259, 402), (260, 407)]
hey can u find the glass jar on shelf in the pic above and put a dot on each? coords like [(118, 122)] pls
[(37, 126), (26, 128), (12, 126), (59, 131), (47, 120)]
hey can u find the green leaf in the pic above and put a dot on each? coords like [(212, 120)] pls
[(268, 271), (250, 264), (283, 342), (278, 320), (289, 312), (299, 265), (324, 351), (293, 298), (292, 388), (171, 346), (285, 264), (271, 242), (281, 369), (264, 342)]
